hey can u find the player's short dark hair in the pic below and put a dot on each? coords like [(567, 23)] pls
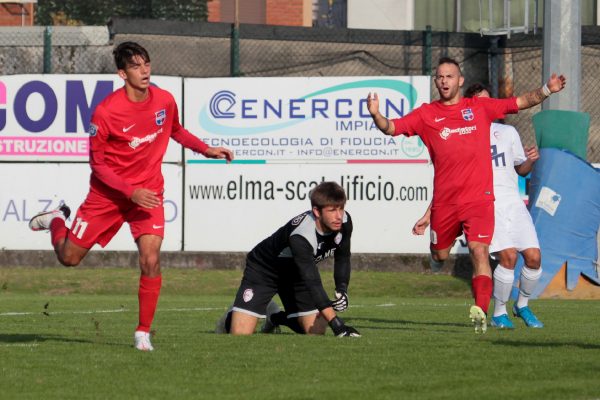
[(475, 89), (125, 51), (448, 60), (327, 194)]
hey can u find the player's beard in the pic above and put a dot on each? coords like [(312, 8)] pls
[(449, 94)]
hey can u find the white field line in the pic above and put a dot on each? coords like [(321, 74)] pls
[(201, 309), (118, 310), (195, 309)]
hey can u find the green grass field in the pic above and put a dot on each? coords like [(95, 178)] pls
[(67, 333)]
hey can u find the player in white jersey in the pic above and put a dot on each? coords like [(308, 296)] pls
[(514, 231)]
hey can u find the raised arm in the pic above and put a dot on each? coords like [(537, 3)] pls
[(382, 122), (555, 84)]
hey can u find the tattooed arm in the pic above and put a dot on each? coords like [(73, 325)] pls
[(535, 97)]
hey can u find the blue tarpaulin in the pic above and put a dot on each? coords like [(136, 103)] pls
[(564, 202)]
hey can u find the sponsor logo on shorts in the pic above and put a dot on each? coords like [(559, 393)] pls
[(156, 226), (433, 236), (480, 236), (248, 295)]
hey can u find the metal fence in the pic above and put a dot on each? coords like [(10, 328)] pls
[(208, 50)]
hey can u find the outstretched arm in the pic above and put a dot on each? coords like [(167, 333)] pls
[(384, 124), (188, 140), (219, 152), (555, 84)]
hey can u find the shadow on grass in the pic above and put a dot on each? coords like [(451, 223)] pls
[(357, 322), (24, 338), (400, 322), (525, 344)]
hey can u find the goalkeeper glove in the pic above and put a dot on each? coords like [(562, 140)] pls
[(340, 304), (340, 329)]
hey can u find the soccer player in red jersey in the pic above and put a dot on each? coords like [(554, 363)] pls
[(129, 134), (456, 131)]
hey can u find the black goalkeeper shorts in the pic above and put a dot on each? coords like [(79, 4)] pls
[(259, 285)]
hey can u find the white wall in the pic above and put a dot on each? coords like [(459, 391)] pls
[(381, 14)]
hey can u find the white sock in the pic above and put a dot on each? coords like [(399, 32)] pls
[(503, 282), (527, 283)]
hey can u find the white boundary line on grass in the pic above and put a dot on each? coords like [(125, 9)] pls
[(118, 310), (20, 345), (192, 309)]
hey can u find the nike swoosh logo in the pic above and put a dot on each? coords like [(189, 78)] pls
[(439, 119), (482, 236), (128, 128), (156, 226)]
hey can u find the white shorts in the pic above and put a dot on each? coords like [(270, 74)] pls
[(514, 228)]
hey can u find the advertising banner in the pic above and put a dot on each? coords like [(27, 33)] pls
[(30, 188), (289, 134), (304, 119), (233, 207), (46, 117)]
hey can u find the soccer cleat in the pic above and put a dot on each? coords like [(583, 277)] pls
[(479, 319), (142, 341), (268, 326), (42, 220), (527, 316), (502, 322)]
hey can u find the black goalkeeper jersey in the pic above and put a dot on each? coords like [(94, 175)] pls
[(299, 245)]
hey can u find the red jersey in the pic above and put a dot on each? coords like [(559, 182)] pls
[(128, 141), (458, 139)]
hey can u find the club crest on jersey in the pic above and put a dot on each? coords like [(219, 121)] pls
[(467, 114), (160, 116), (93, 130), (338, 238), (248, 295)]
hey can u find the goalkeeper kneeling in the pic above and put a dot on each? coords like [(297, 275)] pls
[(286, 264)]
